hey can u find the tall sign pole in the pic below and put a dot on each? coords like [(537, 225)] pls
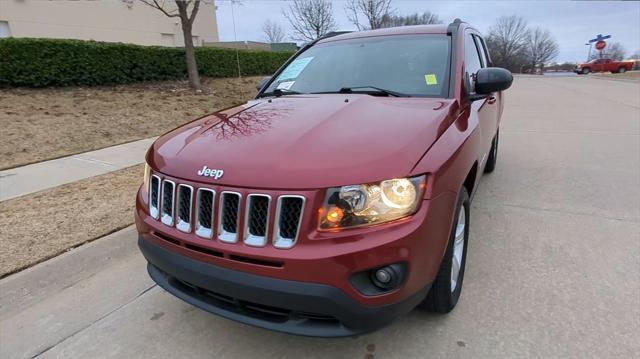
[(589, 53)]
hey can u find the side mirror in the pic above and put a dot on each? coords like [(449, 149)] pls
[(263, 82), (492, 79)]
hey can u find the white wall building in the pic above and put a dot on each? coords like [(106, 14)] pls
[(126, 21)]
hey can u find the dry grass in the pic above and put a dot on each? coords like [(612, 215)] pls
[(44, 224), (41, 124)]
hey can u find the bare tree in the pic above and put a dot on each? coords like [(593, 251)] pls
[(273, 31), (614, 51), (310, 19), (373, 11), (507, 41), (635, 55), (540, 47), (186, 10), (425, 18)]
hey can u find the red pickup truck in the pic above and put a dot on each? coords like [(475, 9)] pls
[(339, 198), (604, 65)]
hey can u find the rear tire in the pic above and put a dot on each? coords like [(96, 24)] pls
[(445, 290), (493, 154)]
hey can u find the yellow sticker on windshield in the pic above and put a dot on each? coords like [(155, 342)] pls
[(431, 79)]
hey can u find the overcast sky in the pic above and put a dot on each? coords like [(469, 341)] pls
[(571, 22)]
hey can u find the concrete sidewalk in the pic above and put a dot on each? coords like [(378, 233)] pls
[(36, 177), (56, 299)]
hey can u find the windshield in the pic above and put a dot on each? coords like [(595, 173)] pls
[(405, 64)]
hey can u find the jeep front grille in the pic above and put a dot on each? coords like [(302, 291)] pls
[(229, 213), (168, 193), (185, 193), (204, 203), (288, 219), (227, 217), (154, 197), (257, 220)]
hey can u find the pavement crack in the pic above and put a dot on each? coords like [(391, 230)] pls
[(43, 351)]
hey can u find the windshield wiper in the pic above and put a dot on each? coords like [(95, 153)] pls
[(279, 92), (376, 91)]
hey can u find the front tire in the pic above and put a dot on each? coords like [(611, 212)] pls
[(445, 290), (493, 154), (622, 70), (586, 71)]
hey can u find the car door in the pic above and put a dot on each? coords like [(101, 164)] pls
[(487, 109), (597, 65)]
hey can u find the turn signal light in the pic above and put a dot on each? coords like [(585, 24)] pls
[(335, 215)]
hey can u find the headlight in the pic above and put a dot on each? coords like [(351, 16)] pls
[(145, 179), (358, 205)]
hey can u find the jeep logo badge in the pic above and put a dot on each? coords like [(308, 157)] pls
[(209, 172)]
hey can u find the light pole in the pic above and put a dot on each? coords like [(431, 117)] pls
[(590, 44)]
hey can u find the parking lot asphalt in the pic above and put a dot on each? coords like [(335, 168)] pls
[(553, 269)]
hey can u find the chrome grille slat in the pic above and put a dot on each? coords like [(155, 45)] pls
[(228, 214), (154, 197), (256, 224), (205, 200), (289, 213), (167, 205), (185, 204)]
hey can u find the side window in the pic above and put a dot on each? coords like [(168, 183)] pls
[(483, 55), (471, 62), (486, 52)]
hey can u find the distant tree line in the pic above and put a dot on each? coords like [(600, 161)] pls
[(311, 19), (514, 46)]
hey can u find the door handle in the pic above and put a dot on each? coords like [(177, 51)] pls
[(492, 99)]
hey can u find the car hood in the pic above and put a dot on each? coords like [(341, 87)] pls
[(304, 141)]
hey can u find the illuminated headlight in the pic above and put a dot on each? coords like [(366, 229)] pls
[(145, 179), (373, 203)]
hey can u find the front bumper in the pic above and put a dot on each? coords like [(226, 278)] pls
[(289, 306)]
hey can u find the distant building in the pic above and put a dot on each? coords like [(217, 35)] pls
[(254, 45), (126, 21)]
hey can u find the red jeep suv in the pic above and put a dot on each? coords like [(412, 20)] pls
[(338, 198)]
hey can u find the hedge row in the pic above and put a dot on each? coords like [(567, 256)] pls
[(49, 62)]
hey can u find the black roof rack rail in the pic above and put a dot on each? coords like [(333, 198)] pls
[(325, 36), (332, 34), (453, 26)]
